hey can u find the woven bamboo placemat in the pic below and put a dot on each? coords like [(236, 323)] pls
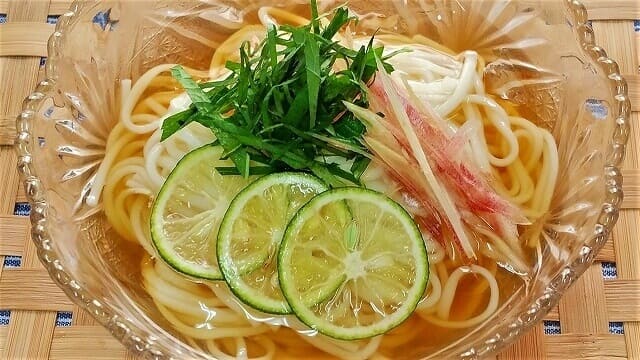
[(599, 318)]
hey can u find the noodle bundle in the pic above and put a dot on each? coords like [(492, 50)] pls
[(518, 156)]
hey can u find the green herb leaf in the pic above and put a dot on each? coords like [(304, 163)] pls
[(244, 75), (298, 110), (218, 84), (359, 166), (340, 19), (315, 21), (349, 128), (312, 59), (175, 122), (283, 104), (254, 170), (197, 95)]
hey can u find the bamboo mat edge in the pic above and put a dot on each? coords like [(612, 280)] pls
[(32, 332)]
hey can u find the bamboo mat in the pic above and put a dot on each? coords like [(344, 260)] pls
[(599, 318)]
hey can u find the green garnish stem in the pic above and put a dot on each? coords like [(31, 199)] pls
[(281, 107)]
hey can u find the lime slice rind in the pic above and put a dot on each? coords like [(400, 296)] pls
[(325, 322), (186, 213), (290, 190)]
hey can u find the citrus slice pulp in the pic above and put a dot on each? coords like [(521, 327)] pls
[(251, 232), (374, 251), (186, 214)]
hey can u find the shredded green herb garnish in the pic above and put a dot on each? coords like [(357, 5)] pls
[(281, 108)]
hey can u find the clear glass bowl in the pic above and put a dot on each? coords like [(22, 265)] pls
[(574, 90)]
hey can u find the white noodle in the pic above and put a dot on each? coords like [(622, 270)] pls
[(428, 304), (210, 317), (467, 80), (448, 295), (500, 120)]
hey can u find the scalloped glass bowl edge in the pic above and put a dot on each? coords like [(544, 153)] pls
[(145, 342)]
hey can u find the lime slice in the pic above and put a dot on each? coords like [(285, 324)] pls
[(251, 232), (375, 251), (186, 214)]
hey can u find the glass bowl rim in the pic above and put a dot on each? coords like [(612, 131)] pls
[(141, 341)]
